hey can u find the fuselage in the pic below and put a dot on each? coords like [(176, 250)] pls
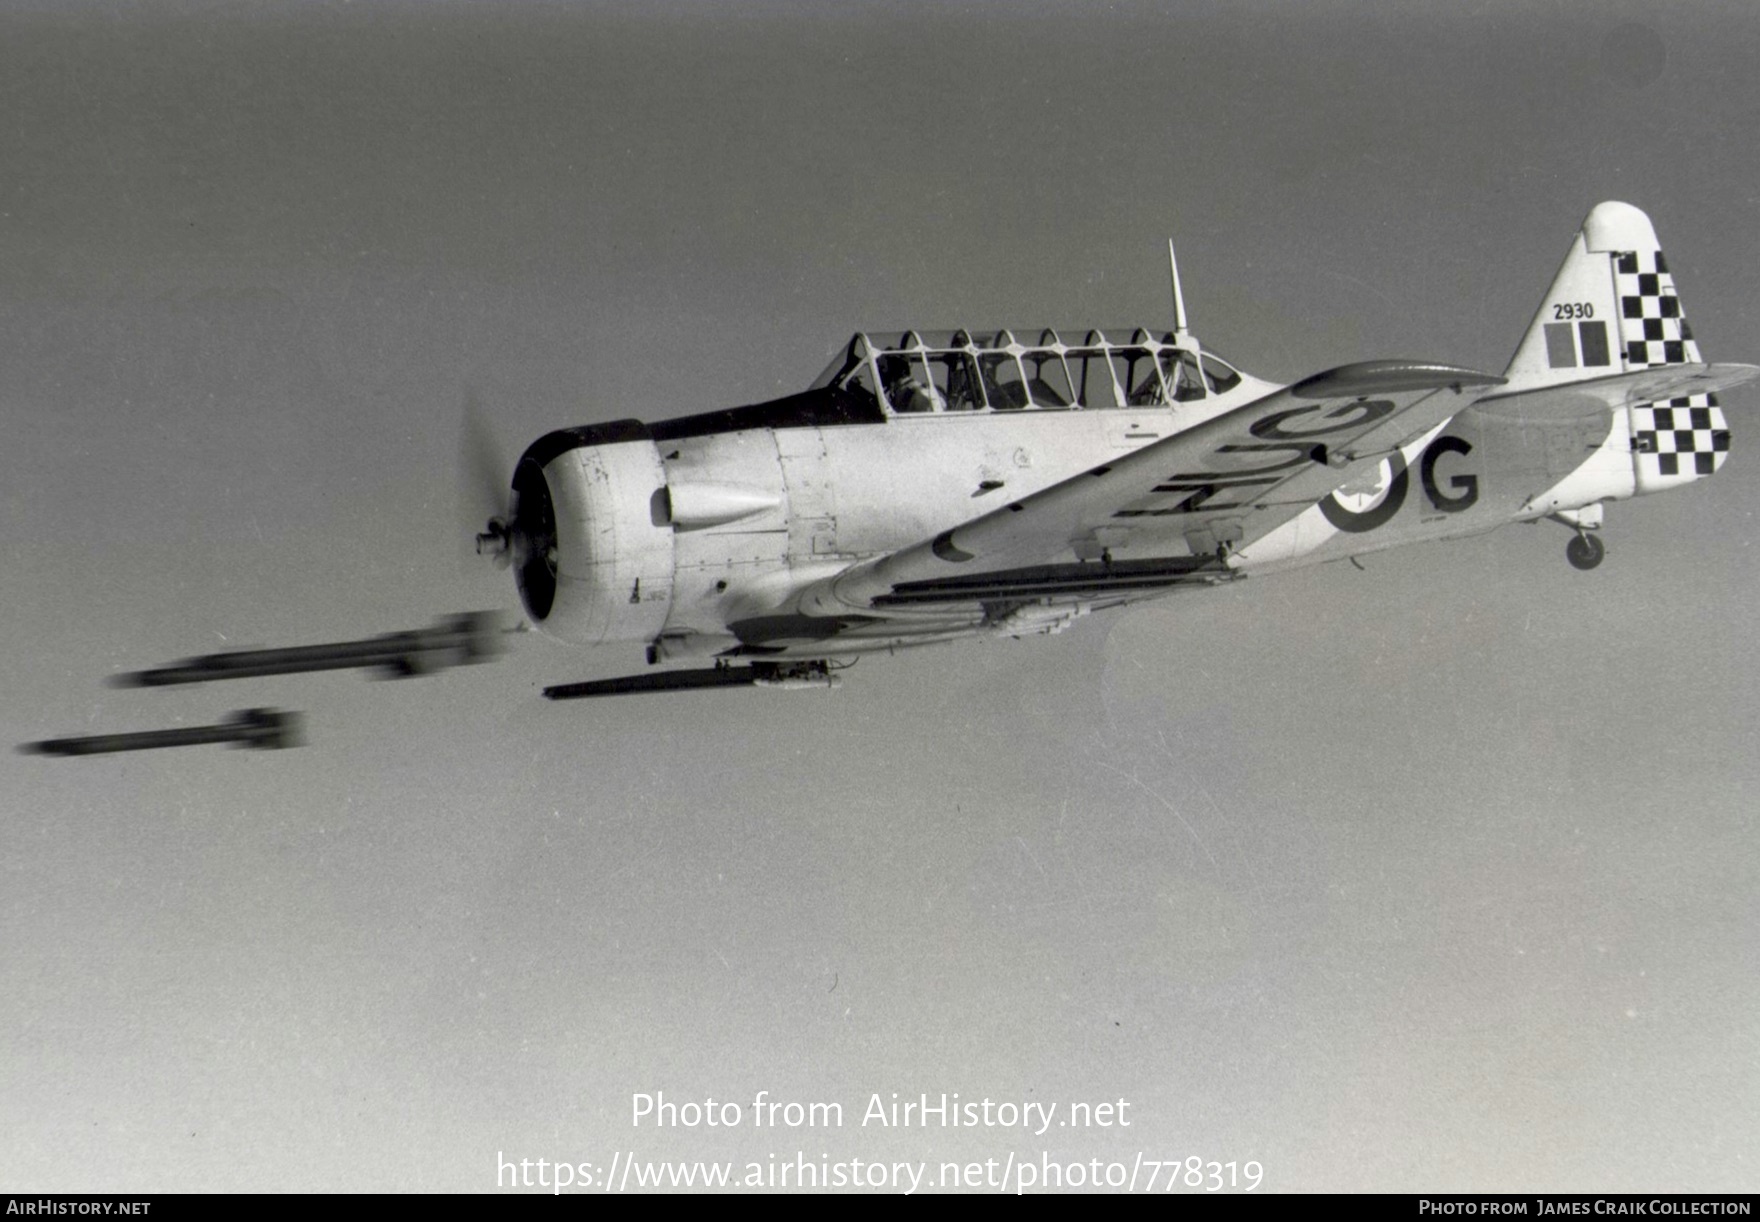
[(692, 535)]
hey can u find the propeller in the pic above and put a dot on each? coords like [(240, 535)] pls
[(520, 526), (488, 502)]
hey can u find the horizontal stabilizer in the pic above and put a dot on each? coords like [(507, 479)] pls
[(1641, 386)]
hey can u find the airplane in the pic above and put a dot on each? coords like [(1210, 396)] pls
[(930, 487), (933, 486)]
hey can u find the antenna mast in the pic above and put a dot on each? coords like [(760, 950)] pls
[(1181, 334)]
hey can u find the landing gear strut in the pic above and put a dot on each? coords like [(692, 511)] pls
[(1584, 552)]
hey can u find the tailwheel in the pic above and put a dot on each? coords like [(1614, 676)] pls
[(1585, 552)]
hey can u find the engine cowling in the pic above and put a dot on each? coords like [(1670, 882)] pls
[(593, 546)]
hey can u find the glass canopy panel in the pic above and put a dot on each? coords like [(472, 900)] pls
[(1092, 374), (906, 379), (1047, 378), (1220, 375), (843, 363), (1137, 373), (1004, 386), (1179, 369), (955, 375)]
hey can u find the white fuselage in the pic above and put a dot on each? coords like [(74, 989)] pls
[(678, 541)]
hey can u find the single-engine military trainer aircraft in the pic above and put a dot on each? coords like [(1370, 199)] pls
[(931, 486)]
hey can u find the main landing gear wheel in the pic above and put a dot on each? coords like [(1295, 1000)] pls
[(1585, 552)]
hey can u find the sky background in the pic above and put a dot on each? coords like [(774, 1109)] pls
[(1435, 876)]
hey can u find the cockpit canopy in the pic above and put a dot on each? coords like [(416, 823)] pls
[(987, 371)]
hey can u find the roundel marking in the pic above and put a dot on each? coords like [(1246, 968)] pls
[(1356, 523)]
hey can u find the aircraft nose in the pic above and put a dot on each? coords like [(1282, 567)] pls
[(534, 540)]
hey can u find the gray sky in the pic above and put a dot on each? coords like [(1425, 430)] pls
[(1434, 876)]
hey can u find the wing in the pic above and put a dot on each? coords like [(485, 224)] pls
[(1173, 511)]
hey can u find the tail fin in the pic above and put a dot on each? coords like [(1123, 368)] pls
[(1613, 309)]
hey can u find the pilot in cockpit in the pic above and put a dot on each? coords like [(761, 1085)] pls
[(906, 389)]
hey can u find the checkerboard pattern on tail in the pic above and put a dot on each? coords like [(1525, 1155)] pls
[(1651, 324), (1686, 436)]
